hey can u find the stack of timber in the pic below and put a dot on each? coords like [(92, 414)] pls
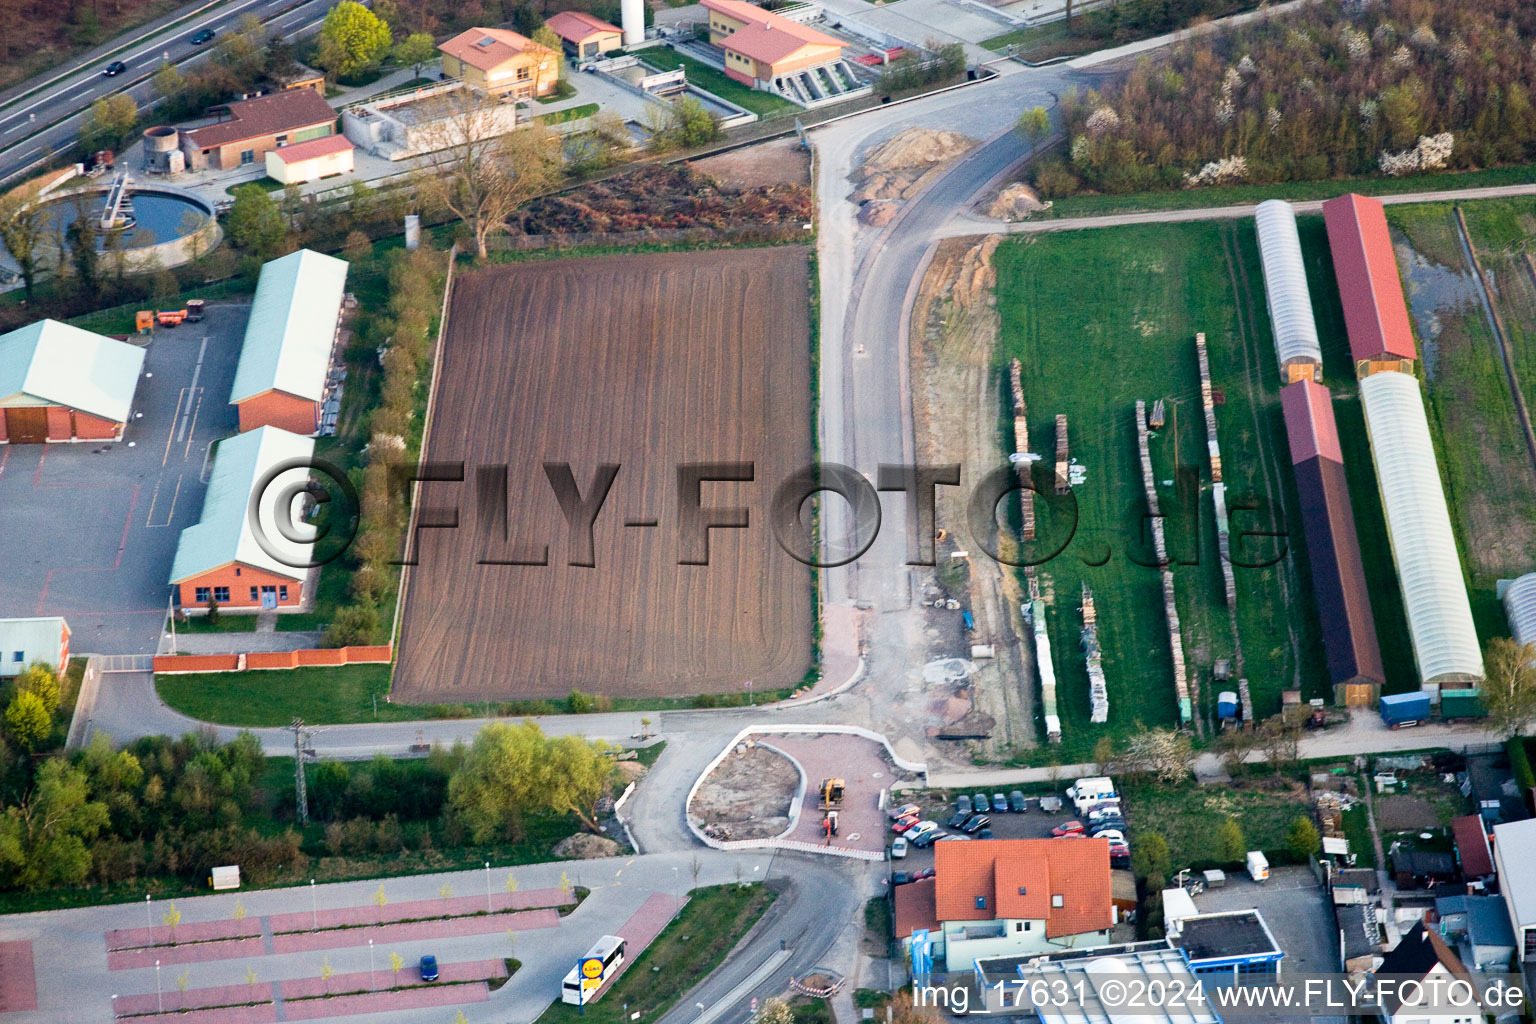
[(1021, 445), (1218, 488), (1063, 456), (1098, 693), (1170, 607), (1047, 670)]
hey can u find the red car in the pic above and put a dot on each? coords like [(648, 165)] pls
[(1119, 850), (1071, 828), (902, 824), (925, 873)]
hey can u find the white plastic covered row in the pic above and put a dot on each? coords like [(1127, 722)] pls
[(1285, 285), (1520, 607), (1419, 526)]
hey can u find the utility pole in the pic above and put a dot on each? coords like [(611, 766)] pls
[(301, 794)]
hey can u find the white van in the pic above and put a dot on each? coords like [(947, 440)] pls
[(1258, 865), (1086, 793)]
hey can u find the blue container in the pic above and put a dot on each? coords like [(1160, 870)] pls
[(1402, 708), (1226, 704)]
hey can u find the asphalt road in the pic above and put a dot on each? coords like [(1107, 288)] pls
[(36, 127)]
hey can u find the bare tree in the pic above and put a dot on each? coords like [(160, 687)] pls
[(478, 172), (1509, 685)]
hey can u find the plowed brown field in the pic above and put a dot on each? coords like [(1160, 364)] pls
[(647, 361)]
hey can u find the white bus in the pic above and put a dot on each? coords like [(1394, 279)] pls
[(609, 951)]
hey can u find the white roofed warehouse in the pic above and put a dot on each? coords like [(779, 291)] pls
[(286, 356), (222, 559), (1520, 608), (61, 383), (1285, 287), (1440, 627)]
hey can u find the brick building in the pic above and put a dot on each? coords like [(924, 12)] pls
[(61, 383)]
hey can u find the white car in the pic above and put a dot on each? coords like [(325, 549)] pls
[(898, 848), (1103, 811), (922, 830), (1114, 835)]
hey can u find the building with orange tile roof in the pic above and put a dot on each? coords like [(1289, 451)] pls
[(760, 47), (501, 62), (1006, 897), (584, 35)]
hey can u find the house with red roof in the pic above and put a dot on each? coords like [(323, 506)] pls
[(1011, 897), (585, 36), (761, 47), (257, 126), (501, 62)]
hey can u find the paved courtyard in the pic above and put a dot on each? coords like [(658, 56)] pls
[(281, 948), (862, 765), (91, 528)]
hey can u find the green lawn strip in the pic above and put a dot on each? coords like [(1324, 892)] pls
[(710, 79), (687, 950), (569, 114), (648, 755), (1188, 814), (1093, 205), (263, 183), (334, 695), (1153, 287), (226, 623), (1038, 42), (1484, 466), (1357, 829)]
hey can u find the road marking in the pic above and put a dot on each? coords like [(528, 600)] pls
[(170, 435), (149, 523)]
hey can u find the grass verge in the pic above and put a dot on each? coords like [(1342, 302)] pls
[(687, 950), (1295, 191), (1188, 815)]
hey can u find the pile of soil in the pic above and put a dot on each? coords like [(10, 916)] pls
[(896, 167), (629, 771), (585, 846), (747, 796), (1015, 202), (877, 212)]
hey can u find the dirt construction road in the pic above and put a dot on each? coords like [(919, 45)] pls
[(647, 362)]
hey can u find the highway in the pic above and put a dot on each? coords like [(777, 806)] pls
[(37, 125)]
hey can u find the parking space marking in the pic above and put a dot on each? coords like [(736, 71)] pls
[(170, 436), (154, 500), (122, 545)]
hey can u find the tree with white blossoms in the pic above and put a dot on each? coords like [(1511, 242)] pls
[(1101, 122), (1430, 154), (775, 1011), (1165, 754), (1219, 172)]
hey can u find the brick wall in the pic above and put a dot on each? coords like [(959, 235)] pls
[(264, 660)]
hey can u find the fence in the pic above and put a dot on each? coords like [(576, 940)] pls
[(255, 661)]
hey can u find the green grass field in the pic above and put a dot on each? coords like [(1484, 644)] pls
[(1152, 287), (762, 104), (694, 944), (1238, 195), (1485, 465), (1188, 815)]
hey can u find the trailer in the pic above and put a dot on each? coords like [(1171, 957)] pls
[(1462, 704), (1401, 710), (170, 317), (194, 310)]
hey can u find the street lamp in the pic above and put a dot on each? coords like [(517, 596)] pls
[(148, 917), (159, 997), (370, 965), (487, 887), (314, 908)]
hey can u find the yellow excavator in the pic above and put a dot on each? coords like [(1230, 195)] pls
[(831, 794)]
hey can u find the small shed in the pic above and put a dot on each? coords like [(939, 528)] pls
[(226, 877), (324, 157)]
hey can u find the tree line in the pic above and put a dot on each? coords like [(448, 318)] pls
[(174, 808), (1332, 89)]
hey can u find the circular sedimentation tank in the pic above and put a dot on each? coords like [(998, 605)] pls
[(162, 221)]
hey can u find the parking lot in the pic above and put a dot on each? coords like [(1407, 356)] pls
[(937, 806), (91, 528)]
